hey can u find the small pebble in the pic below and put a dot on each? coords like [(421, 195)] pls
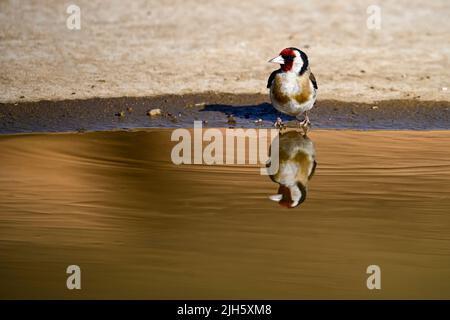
[(374, 107), (120, 114), (130, 109), (172, 117), (154, 112), (231, 119), (444, 88), (192, 105)]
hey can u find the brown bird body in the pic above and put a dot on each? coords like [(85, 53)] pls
[(293, 94)]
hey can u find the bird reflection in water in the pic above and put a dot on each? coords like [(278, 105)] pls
[(297, 163)]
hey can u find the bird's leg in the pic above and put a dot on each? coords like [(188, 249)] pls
[(305, 124), (278, 123), (308, 123)]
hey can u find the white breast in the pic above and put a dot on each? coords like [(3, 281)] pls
[(290, 87), (289, 83)]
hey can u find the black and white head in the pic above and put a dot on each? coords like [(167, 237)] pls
[(292, 60)]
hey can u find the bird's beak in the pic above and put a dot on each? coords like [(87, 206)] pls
[(278, 60), (276, 197)]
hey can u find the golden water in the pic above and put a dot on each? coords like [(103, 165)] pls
[(142, 227)]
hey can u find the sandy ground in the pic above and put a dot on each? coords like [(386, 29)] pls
[(144, 48), (141, 227)]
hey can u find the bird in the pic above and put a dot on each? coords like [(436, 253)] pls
[(296, 166), (293, 87)]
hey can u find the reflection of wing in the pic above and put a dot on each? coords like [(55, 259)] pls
[(313, 170), (271, 77), (313, 80)]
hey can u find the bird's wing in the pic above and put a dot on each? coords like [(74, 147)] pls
[(313, 170), (271, 77), (313, 80)]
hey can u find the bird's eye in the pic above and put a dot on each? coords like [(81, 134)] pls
[(289, 58)]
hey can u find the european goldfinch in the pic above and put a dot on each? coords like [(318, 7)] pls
[(293, 87), (297, 163)]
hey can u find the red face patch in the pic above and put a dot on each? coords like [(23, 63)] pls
[(288, 56), (287, 53), (286, 201)]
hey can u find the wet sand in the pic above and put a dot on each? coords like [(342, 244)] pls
[(142, 227), (183, 110)]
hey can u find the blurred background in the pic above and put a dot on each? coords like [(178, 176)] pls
[(144, 48)]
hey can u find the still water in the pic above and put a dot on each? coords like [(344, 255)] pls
[(140, 226)]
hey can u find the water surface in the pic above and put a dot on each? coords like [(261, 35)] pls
[(141, 227)]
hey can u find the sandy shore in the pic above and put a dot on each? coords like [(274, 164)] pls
[(247, 111), (145, 48)]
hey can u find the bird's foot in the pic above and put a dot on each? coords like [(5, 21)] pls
[(305, 125), (279, 124)]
